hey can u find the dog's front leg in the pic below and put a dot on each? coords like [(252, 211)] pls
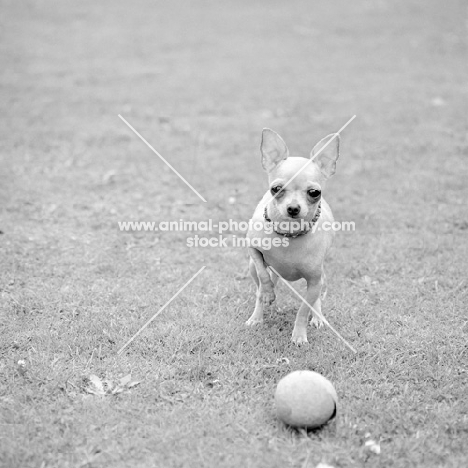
[(299, 335), (265, 286)]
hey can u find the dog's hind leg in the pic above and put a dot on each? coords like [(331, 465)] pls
[(265, 286), (257, 316)]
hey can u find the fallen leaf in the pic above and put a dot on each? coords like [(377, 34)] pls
[(108, 387), (125, 380), (96, 387), (372, 446), (96, 381), (133, 384)]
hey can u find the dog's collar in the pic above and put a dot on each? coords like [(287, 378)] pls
[(309, 224)]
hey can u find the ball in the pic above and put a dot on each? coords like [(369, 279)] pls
[(305, 399)]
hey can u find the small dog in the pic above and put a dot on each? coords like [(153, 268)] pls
[(292, 213)]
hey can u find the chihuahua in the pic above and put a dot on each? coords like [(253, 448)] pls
[(291, 216)]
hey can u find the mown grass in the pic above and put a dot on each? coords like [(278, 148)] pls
[(199, 81)]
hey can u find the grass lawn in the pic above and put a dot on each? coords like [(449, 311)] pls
[(199, 80)]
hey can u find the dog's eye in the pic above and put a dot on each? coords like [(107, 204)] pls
[(313, 193), (276, 189)]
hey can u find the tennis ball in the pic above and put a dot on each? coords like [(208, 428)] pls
[(305, 399)]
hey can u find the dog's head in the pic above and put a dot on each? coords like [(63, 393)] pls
[(296, 183)]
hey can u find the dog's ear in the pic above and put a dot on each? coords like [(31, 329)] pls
[(273, 148), (326, 159)]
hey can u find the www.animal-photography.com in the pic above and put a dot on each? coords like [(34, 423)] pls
[(234, 234)]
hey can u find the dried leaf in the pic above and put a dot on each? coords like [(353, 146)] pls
[(133, 384), (372, 446), (96, 381), (125, 380), (108, 387)]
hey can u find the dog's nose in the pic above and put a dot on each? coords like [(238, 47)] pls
[(293, 210)]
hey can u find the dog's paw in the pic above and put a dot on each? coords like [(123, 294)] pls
[(316, 322), (254, 321), (268, 297), (299, 337)]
